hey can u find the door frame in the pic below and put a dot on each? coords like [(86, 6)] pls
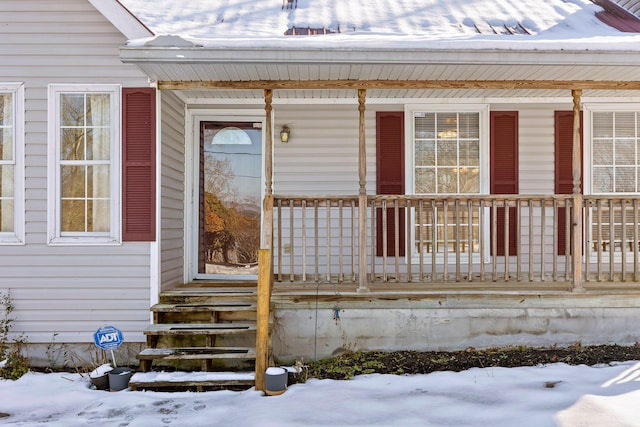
[(192, 190)]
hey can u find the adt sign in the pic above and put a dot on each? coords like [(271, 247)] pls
[(108, 337)]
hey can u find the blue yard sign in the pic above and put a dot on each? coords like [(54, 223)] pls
[(108, 337)]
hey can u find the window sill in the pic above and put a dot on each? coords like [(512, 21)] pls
[(84, 241)]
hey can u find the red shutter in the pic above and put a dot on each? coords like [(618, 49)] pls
[(564, 167), (138, 164), (390, 175), (504, 171)]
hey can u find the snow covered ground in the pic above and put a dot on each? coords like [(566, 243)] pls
[(551, 395)]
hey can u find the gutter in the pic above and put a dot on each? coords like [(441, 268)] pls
[(191, 53)]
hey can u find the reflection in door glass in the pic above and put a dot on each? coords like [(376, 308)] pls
[(230, 181)]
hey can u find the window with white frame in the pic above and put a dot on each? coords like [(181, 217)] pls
[(11, 163), (613, 169), (449, 149), (84, 164), (614, 138)]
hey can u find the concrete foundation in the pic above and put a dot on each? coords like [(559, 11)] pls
[(452, 322)]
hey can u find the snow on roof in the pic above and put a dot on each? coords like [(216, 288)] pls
[(460, 24), (207, 19)]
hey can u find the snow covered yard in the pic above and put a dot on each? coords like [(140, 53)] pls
[(549, 395)]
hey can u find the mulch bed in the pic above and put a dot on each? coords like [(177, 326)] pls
[(422, 362)]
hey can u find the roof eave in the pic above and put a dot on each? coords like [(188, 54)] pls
[(121, 18), (487, 56)]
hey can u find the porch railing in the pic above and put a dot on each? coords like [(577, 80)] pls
[(492, 238)]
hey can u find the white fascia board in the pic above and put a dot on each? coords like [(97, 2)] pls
[(121, 18), (209, 55)]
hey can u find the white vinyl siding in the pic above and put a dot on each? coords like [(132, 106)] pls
[(70, 291), (11, 164), (321, 156), (535, 145), (172, 191)]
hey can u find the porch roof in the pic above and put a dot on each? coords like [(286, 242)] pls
[(403, 43)]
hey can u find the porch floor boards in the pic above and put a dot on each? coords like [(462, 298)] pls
[(415, 288)]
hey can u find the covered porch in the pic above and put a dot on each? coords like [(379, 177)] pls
[(416, 270)]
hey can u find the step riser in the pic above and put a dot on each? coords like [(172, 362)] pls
[(227, 365), (212, 295), (204, 317)]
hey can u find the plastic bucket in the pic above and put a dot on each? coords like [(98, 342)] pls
[(119, 378)]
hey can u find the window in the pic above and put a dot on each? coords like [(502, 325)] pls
[(615, 161), (446, 153), (613, 168), (449, 151), (84, 164), (11, 163)]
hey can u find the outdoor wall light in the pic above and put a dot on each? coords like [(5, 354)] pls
[(285, 133)]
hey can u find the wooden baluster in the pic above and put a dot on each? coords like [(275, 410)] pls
[(434, 238), (531, 240), (543, 225), (341, 241), (396, 237), (470, 239), (328, 241), (482, 239), (518, 240), (420, 223), (612, 240), (634, 204), (568, 239), (457, 237), (507, 217), (445, 233), (384, 241), (316, 243), (494, 239), (623, 238), (304, 240), (408, 248)]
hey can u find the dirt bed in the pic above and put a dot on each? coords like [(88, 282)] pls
[(418, 362)]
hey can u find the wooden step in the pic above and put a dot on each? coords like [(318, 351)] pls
[(198, 328), (192, 381), (204, 306), (197, 353), (200, 294)]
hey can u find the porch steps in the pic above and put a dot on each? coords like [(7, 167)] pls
[(200, 331)]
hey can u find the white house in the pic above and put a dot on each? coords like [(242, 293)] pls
[(368, 149)]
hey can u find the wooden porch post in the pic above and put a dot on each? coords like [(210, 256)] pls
[(362, 196), (265, 274), (576, 220)]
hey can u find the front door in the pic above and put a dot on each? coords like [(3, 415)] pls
[(229, 189)]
